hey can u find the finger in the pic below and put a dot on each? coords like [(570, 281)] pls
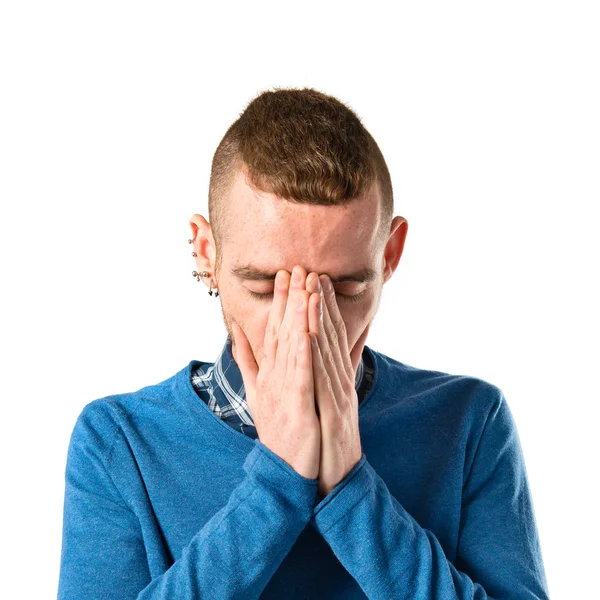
[(245, 359), (329, 347), (290, 373), (280, 295), (327, 357), (293, 318), (314, 320), (335, 326), (313, 285), (324, 392), (303, 373)]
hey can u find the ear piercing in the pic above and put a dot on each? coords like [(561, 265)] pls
[(202, 274)]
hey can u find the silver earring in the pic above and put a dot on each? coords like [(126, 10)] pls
[(210, 289), (203, 274)]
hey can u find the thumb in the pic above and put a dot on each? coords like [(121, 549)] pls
[(245, 359)]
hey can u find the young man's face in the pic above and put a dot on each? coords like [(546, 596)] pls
[(269, 233)]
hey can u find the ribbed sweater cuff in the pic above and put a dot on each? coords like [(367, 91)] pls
[(292, 490), (344, 497)]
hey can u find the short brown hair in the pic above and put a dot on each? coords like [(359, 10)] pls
[(302, 145)]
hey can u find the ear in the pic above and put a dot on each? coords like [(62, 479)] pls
[(203, 244), (394, 246)]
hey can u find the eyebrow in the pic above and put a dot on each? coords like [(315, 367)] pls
[(254, 274)]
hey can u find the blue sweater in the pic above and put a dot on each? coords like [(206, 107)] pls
[(165, 500)]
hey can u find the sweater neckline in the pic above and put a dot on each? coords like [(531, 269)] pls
[(185, 390)]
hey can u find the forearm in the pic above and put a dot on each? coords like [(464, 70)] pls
[(234, 555), (237, 552), (391, 556)]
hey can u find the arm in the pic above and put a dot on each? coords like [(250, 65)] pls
[(391, 556), (234, 555)]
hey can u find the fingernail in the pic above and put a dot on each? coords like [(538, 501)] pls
[(296, 276), (326, 283), (318, 282), (282, 280)]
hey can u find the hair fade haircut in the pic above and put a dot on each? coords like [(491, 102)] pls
[(302, 145)]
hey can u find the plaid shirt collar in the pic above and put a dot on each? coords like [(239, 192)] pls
[(221, 387)]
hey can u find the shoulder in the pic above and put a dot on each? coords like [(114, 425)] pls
[(460, 396), (101, 420)]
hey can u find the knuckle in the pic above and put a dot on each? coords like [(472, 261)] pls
[(305, 295), (347, 386), (329, 357), (301, 388), (274, 330), (282, 419), (321, 360), (335, 421), (334, 336), (286, 390), (329, 386), (284, 334)]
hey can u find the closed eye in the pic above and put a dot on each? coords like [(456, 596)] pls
[(344, 297)]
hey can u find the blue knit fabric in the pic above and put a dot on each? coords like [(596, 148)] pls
[(165, 500)]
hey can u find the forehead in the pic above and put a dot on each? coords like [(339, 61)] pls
[(268, 233)]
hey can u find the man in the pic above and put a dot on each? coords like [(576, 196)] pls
[(302, 463)]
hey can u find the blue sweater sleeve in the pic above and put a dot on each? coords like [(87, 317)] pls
[(103, 554), (391, 556)]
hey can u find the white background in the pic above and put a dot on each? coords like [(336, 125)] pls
[(488, 117)]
